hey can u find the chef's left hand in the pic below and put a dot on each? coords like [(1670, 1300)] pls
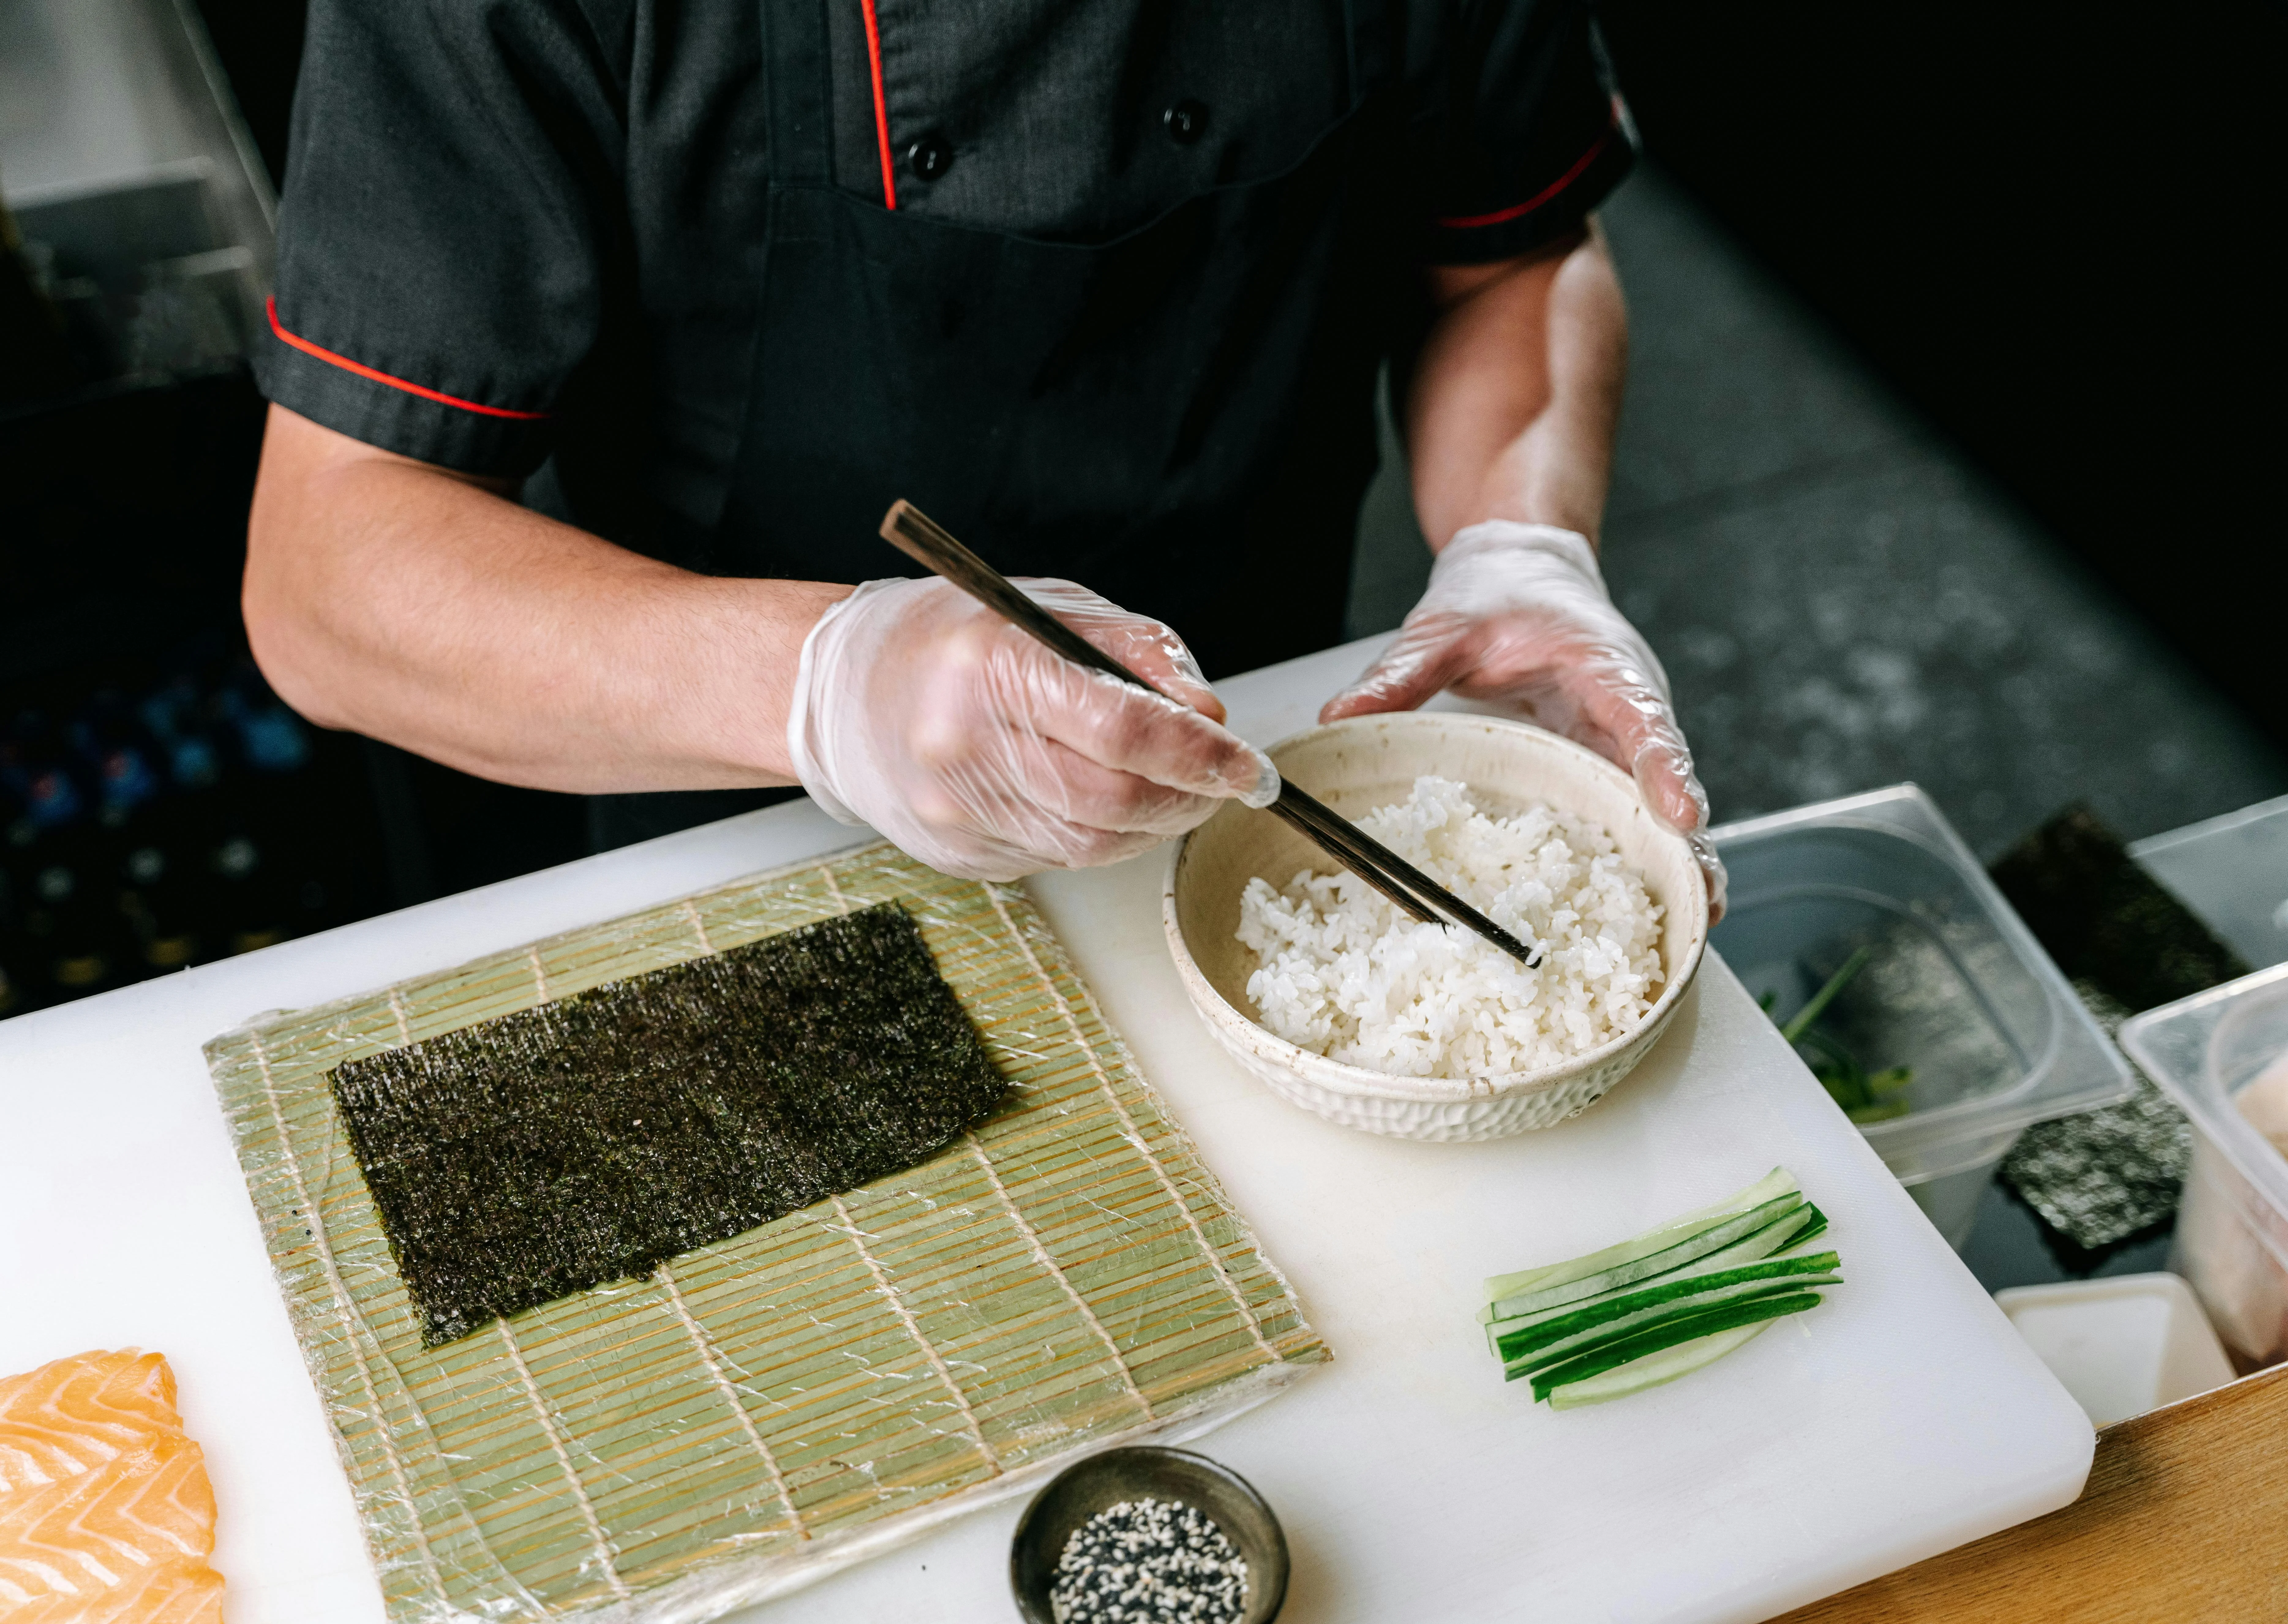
[(1518, 613)]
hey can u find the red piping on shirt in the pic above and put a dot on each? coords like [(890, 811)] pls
[(363, 370), (881, 107), (1466, 221)]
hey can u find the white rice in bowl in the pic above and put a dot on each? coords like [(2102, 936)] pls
[(1346, 975)]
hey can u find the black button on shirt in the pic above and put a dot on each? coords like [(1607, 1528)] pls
[(1185, 122), (929, 157), (514, 227)]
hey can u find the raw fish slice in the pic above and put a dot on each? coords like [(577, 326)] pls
[(74, 1415), (99, 1528), (182, 1592), (107, 1515)]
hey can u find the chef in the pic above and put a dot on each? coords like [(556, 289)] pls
[(605, 331)]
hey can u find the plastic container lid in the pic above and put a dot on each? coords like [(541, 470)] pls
[(1998, 1039), (2202, 1051)]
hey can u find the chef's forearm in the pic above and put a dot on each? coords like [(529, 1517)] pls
[(415, 606), (1517, 391)]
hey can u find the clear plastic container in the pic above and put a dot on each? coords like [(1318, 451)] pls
[(2223, 1055), (2233, 872), (1957, 988), (2122, 1345)]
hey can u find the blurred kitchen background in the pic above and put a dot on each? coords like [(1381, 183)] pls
[(1949, 457)]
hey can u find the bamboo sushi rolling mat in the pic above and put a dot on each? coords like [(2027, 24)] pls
[(762, 1410)]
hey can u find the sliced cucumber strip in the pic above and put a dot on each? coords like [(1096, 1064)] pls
[(1594, 1338), (1668, 1334), (1699, 1245), (1512, 1336), (1672, 1292), (1502, 1285), (1783, 1234), (1818, 1227), (1655, 1368), (1779, 1181)]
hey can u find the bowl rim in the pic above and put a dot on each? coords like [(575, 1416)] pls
[(1364, 1082)]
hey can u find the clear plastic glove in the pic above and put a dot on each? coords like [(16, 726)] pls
[(1518, 613), (983, 754)]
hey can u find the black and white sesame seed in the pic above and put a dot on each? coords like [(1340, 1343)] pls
[(1149, 1562)]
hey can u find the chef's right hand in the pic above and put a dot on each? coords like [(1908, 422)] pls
[(987, 755)]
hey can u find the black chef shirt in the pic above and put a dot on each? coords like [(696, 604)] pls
[(536, 237)]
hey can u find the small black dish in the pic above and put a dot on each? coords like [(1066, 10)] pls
[(1081, 1491)]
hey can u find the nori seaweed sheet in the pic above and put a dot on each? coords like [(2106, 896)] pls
[(2105, 1178), (532, 1156), (2105, 919)]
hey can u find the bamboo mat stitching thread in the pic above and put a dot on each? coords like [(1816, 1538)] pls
[(731, 1397), (345, 1308), (913, 1329), (611, 1578), (1040, 1256), (357, 1349), (706, 1348), (1128, 1123), (618, 1586), (698, 926), (1024, 1225)]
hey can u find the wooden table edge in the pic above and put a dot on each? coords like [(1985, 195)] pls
[(2185, 1516)]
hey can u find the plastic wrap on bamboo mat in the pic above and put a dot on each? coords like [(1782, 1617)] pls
[(756, 1413)]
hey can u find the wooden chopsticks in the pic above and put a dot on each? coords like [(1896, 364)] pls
[(930, 545)]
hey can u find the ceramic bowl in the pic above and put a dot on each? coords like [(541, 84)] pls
[(1369, 761), (1080, 1492)]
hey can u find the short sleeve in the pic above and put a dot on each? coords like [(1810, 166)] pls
[(1532, 133), (451, 173)]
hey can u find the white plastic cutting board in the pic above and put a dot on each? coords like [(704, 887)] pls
[(1903, 1417)]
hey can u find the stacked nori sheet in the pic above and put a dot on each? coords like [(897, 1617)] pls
[(2105, 921), (537, 1154), (2106, 1177)]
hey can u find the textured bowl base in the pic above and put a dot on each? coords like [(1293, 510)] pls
[(1487, 1114)]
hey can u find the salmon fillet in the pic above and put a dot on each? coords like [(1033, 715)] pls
[(106, 1513)]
